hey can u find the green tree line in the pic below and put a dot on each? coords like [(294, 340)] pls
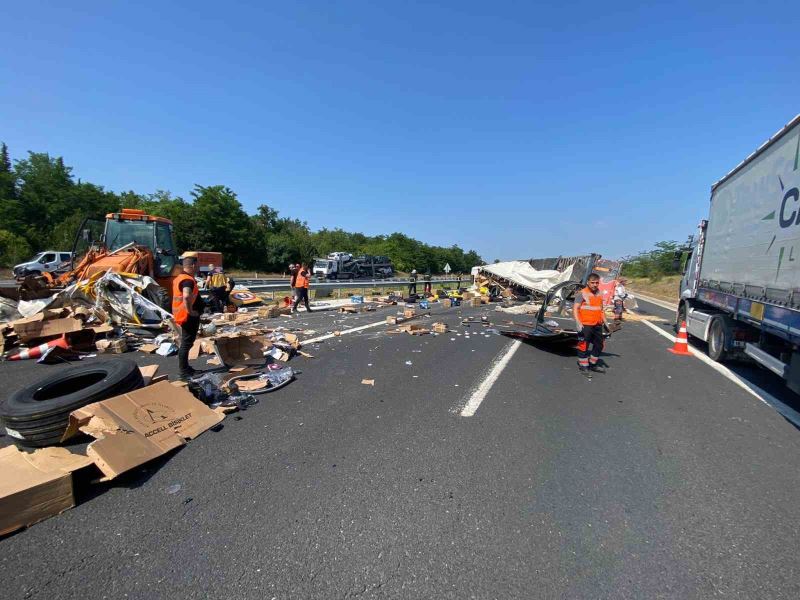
[(658, 262), (42, 206)]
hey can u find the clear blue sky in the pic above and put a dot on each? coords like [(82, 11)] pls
[(514, 129)]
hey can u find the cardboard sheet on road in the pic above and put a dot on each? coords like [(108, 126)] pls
[(35, 486), (139, 426)]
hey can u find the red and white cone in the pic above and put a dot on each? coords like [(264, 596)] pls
[(681, 346), (37, 351)]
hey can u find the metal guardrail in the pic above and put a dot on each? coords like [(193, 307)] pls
[(354, 283)]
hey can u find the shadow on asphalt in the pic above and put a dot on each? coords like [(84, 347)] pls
[(87, 488), (749, 371)]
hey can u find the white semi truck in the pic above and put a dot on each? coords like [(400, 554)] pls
[(740, 290)]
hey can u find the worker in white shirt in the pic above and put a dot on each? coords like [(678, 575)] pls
[(620, 293)]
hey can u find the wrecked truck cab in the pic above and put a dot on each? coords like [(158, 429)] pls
[(555, 322)]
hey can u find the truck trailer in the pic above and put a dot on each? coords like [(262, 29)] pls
[(740, 290)]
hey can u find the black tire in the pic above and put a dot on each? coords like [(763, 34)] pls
[(717, 338), (37, 415)]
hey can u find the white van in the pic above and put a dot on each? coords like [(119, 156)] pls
[(47, 261)]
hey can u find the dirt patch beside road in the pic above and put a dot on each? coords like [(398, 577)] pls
[(667, 288)]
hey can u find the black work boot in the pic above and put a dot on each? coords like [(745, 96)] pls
[(596, 369), (585, 372)]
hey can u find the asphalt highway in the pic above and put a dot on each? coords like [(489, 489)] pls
[(660, 479)]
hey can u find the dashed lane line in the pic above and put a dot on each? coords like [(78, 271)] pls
[(499, 363)]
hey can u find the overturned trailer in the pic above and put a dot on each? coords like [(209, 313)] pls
[(551, 283), (535, 277)]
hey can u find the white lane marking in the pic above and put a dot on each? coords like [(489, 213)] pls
[(787, 411), (342, 332), (656, 301), (498, 365)]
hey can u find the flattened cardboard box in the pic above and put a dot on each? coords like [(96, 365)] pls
[(139, 426), (35, 486), (38, 326)]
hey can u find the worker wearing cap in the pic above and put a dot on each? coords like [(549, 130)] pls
[(302, 283), (412, 282), (590, 320), (186, 308)]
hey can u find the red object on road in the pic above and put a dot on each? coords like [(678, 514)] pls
[(681, 346), (37, 351)]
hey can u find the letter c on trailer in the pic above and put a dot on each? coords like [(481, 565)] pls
[(793, 194)]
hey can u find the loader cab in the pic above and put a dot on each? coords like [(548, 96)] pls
[(134, 227)]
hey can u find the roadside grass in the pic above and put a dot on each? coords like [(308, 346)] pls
[(666, 288)]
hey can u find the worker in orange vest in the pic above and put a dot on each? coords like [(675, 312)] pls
[(590, 320), (302, 281), (186, 308)]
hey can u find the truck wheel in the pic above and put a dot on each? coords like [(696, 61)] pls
[(717, 340), (680, 317)]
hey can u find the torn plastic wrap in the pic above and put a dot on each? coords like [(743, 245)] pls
[(9, 310), (118, 296), (208, 388), (273, 379), (219, 389), (28, 308)]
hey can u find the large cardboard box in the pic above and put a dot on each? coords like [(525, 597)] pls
[(39, 327), (35, 486), (136, 427), (242, 350)]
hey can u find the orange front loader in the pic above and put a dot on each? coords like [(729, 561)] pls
[(131, 242)]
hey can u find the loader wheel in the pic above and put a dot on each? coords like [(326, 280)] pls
[(37, 415)]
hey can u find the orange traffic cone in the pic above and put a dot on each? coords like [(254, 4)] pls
[(37, 351), (681, 346)]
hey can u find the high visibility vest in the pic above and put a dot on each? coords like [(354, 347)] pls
[(590, 310), (178, 307), (301, 280), (218, 280)]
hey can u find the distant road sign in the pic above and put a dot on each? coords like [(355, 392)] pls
[(447, 268)]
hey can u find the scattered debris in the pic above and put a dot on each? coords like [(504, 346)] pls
[(368, 382)]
